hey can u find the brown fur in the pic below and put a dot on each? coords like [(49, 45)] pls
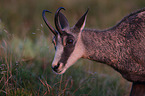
[(122, 47)]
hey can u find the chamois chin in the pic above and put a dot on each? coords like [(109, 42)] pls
[(122, 47)]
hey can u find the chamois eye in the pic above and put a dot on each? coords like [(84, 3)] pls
[(69, 41)]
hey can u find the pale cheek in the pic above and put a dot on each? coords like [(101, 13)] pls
[(57, 56), (73, 58), (77, 54)]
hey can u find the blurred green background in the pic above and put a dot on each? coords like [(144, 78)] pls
[(22, 18), (26, 51)]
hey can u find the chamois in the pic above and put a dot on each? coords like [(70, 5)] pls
[(122, 46)]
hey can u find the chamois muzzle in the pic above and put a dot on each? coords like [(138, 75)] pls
[(58, 68), (55, 68)]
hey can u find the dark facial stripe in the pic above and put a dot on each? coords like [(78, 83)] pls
[(67, 51)]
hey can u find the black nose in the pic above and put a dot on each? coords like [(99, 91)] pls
[(56, 67)]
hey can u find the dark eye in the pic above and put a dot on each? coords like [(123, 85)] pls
[(69, 41)]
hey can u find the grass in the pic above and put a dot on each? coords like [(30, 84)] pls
[(25, 70), (26, 51)]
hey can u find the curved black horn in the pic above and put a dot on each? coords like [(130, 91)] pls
[(56, 20), (47, 23)]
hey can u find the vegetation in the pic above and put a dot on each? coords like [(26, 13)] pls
[(26, 51)]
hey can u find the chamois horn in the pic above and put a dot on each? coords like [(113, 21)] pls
[(47, 23), (56, 20)]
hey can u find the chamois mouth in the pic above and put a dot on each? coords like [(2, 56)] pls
[(59, 68), (59, 71)]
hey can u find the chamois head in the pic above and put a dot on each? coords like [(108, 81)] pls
[(68, 46)]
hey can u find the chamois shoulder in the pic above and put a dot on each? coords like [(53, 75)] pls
[(133, 18)]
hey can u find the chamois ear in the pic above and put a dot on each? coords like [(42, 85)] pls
[(63, 21), (81, 23)]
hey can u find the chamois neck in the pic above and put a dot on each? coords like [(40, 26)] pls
[(109, 46), (120, 47), (99, 45)]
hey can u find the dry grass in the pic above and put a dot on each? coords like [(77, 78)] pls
[(26, 74)]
